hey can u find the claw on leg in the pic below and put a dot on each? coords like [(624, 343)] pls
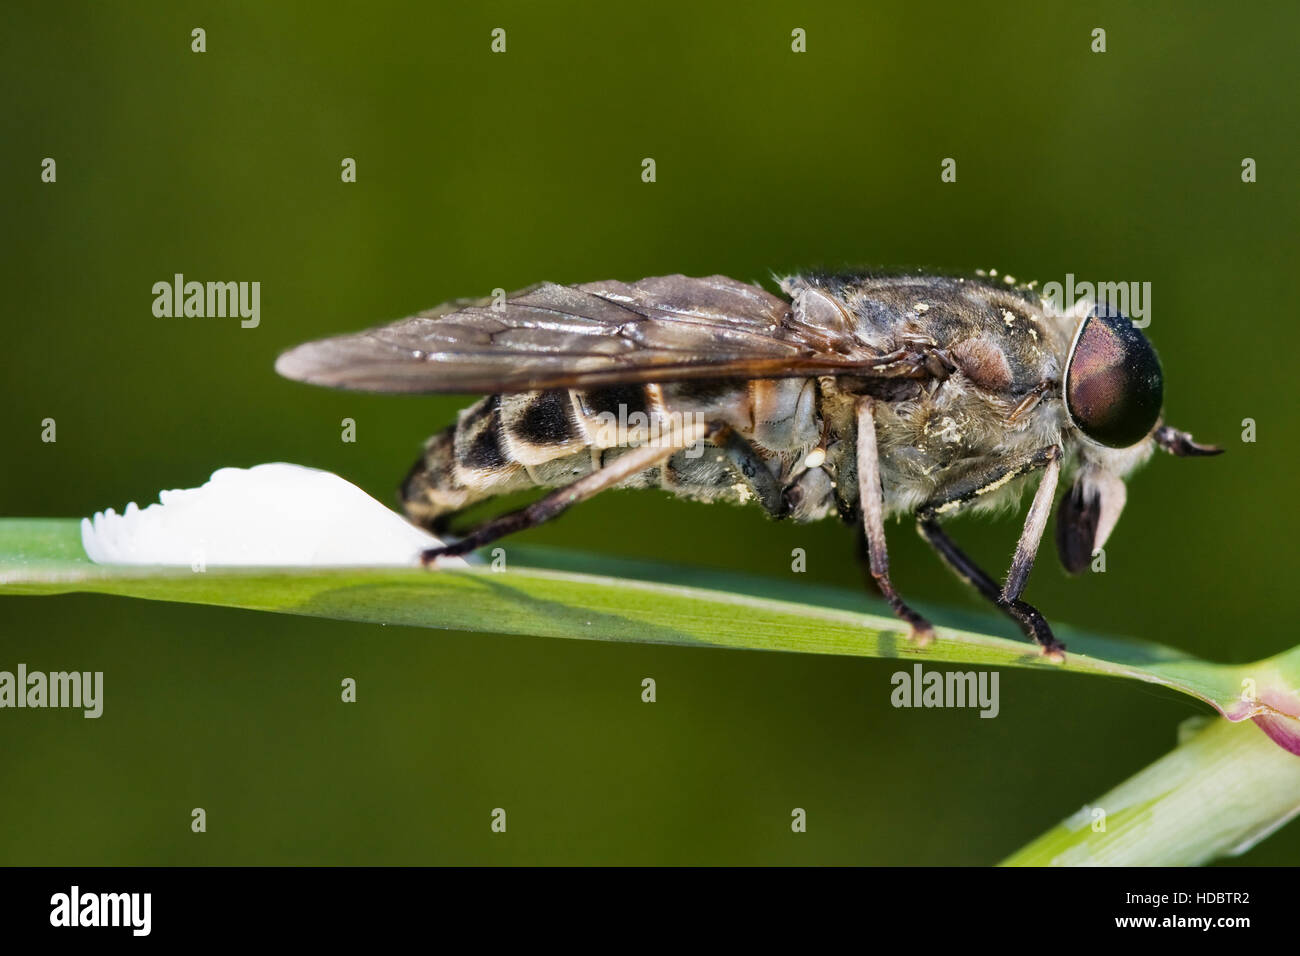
[(1036, 628), (922, 634)]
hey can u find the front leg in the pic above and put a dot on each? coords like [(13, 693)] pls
[(1007, 597), (872, 505)]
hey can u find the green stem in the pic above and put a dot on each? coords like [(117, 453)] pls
[(1221, 791)]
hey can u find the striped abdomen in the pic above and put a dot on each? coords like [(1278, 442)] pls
[(506, 443)]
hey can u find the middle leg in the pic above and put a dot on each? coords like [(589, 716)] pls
[(871, 503)]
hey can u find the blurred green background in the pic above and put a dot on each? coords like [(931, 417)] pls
[(478, 170)]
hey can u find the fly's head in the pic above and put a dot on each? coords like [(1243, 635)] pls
[(1113, 390)]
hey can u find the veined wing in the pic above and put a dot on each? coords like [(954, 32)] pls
[(660, 329)]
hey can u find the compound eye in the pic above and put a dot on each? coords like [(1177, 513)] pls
[(1113, 384)]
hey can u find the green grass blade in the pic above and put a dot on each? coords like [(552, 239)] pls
[(637, 602), (1224, 789), (1221, 791)]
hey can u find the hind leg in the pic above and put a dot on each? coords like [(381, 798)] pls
[(740, 454), (560, 500)]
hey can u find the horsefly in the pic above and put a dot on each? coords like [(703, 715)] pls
[(859, 395)]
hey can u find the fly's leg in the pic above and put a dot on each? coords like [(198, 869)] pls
[(1029, 618), (560, 500), (1007, 597), (920, 357), (740, 453), (872, 504), (752, 470), (1031, 535), (863, 554)]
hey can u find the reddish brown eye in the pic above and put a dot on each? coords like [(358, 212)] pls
[(1113, 384)]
